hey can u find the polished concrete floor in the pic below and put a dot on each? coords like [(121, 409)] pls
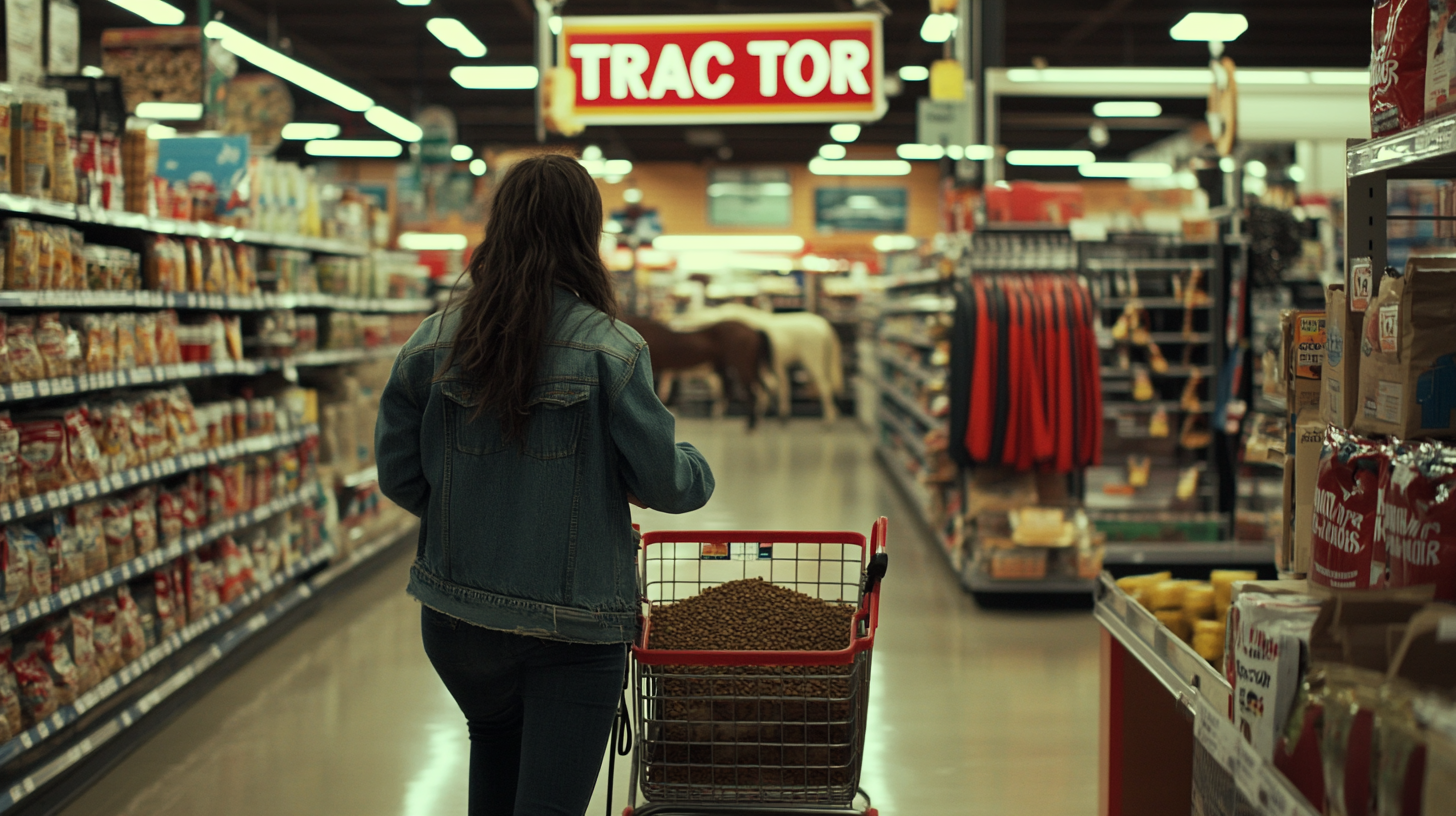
[(972, 711)]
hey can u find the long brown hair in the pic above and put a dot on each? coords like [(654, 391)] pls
[(544, 231)]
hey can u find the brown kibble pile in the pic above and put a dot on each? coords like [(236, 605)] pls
[(751, 615)]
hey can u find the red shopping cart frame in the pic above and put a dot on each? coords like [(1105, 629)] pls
[(865, 622)]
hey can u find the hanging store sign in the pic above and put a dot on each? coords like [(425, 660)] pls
[(723, 69)]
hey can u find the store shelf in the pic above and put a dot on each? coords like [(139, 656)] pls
[(144, 299), (1213, 553), (909, 438), (146, 375), (915, 370), (329, 357), (915, 493), (1425, 151), (921, 304), (76, 493), (1152, 405), (908, 405), (920, 342), (1112, 372), (146, 563), (925, 277), (1152, 264), (361, 477), (1204, 693), (979, 582), (223, 645), (168, 226), (1151, 303)]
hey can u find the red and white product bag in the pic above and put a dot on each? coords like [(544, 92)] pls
[(1346, 496), (1398, 65), (1418, 518), (1265, 655)]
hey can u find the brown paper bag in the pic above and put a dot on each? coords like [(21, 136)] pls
[(1408, 353)]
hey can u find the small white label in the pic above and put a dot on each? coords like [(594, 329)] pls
[(1391, 395), (1390, 328), (1362, 280), (22, 390)]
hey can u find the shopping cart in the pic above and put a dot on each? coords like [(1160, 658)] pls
[(735, 731)]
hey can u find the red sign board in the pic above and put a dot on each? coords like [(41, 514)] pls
[(723, 69)]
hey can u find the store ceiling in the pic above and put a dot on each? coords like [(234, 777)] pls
[(382, 48)]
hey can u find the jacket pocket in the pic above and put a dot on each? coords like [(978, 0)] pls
[(558, 414)]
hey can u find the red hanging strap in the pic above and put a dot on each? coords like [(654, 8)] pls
[(983, 412)]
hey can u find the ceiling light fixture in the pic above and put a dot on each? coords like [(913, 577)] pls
[(632, 195), (1204, 26), (174, 111), (980, 152), (159, 131), (938, 28), (354, 148), (477, 167), (894, 243), (920, 152), (1114, 110), (859, 167), (1340, 77), (453, 34), (287, 67), (555, 23), (304, 131), (607, 168), (92, 71), (393, 124), (832, 152), (914, 73), (1050, 158), (1125, 170), (844, 133), (728, 243), (495, 77), (1256, 168), (414, 2), (153, 11), (461, 152), (432, 240)]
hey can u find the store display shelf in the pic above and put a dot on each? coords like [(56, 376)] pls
[(907, 437), (1153, 405), (1151, 303), (169, 226), (329, 357), (1112, 372), (76, 493), (916, 370), (1425, 151), (925, 277), (146, 563), (146, 299), (1152, 264), (360, 477), (914, 492), (1212, 553), (1203, 692), (225, 644), (979, 582), (919, 342), (909, 405), (920, 304), (146, 375)]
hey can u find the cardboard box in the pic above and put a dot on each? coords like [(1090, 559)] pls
[(1340, 378), (1408, 353), (1300, 470)]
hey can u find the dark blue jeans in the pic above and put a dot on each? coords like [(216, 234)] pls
[(539, 713)]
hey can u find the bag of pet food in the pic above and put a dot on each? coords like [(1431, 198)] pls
[(170, 525), (1347, 491), (87, 521), (116, 521), (104, 614), (1264, 657), (63, 545), (1418, 519), (14, 721), (126, 346), (50, 338), (82, 451), (38, 696), (55, 640), (37, 561), (83, 648), (14, 569), (130, 629), (25, 360), (1397, 65), (11, 485), (144, 519), (166, 605), (43, 453)]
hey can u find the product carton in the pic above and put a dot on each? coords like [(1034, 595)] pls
[(1440, 49), (1300, 470), (1408, 353), (1303, 337), (1340, 377)]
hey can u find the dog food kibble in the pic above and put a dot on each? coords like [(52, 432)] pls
[(751, 615)]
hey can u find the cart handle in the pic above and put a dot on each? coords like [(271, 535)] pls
[(878, 563)]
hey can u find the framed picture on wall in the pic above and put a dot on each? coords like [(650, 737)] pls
[(756, 197), (860, 209)]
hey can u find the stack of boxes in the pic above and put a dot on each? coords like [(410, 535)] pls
[(1304, 362)]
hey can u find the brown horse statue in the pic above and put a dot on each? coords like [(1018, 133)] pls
[(735, 352)]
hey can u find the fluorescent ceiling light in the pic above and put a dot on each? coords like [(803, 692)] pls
[(599, 168), (453, 33), (844, 133), (955, 152), (1246, 76), (632, 195), (1111, 76), (309, 130), (1125, 170), (555, 23), (153, 11), (287, 68), (1204, 26), (92, 71), (914, 73), (728, 243), (857, 167), (414, 2), (500, 77), (591, 152), (351, 148), (176, 111), (980, 152), (921, 152), (1340, 77), (393, 124), (938, 28), (161, 131), (1256, 168), (477, 167), (461, 152), (778, 189), (1109, 110), (432, 240), (1050, 158), (894, 243), (833, 152)]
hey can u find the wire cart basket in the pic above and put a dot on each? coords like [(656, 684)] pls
[(721, 731)]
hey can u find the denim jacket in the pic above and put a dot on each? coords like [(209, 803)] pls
[(536, 538)]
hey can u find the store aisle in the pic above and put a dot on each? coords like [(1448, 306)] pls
[(972, 712)]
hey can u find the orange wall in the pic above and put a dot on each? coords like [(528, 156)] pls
[(679, 192)]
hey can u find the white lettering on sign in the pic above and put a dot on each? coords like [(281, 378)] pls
[(629, 62), (706, 53), (768, 53), (848, 59), (591, 56), (815, 52), (671, 74)]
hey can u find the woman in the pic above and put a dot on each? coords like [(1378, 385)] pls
[(518, 427)]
